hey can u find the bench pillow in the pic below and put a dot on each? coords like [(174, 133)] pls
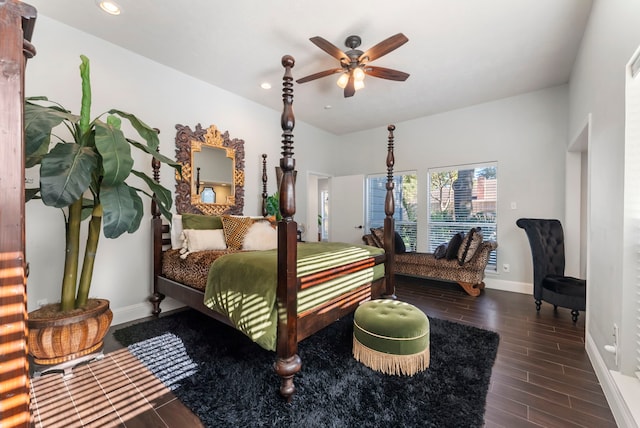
[(399, 246), (469, 245), (377, 233), (441, 251), (454, 246)]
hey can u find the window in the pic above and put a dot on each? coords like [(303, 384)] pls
[(405, 197), (462, 197)]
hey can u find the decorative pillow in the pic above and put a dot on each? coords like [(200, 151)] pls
[(201, 240), (235, 228), (176, 232), (199, 221), (399, 246), (469, 245), (260, 236), (378, 236), (441, 251), (368, 240), (454, 246)]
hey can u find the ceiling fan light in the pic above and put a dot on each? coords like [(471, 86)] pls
[(358, 84), (358, 75), (343, 80)]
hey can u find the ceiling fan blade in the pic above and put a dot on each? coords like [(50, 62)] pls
[(350, 89), (384, 47), (318, 75), (329, 48), (386, 73)]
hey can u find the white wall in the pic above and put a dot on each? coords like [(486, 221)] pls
[(162, 97), (526, 135), (597, 88)]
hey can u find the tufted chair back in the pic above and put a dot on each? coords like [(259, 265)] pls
[(546, 239)]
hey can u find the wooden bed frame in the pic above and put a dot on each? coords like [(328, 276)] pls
[(292, 327)]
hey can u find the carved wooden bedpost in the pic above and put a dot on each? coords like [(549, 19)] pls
[(264, 185), (389, 223), (156, 230), (288, 362)]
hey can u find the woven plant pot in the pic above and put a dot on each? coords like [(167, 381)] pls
[(56, 337)]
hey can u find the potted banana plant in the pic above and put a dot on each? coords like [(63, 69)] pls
[(85, 175)]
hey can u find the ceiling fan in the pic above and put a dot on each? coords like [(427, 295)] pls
[(354, 64)]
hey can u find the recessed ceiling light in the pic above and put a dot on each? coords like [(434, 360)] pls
[(266, 85), (109, 6), (328, 107)]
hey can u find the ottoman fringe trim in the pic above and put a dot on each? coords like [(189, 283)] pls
[(390, 363)]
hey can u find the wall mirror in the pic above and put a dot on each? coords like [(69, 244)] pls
[(212, 180)]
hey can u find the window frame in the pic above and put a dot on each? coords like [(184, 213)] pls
[(406, 228), (451, 226)]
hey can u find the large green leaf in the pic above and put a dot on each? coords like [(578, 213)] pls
[(115, 151), (162, 158), (30, 193), (149, 134), (138, 204), (85, 107), (65, 174), (38, 123), (122, 210), (164, 211), (163, 195)]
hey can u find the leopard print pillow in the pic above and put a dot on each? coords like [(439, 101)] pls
[(378, 236), (470, 244)]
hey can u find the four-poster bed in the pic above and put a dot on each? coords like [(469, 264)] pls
[(294, 317)]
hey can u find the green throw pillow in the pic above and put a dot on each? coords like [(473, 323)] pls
[(199, 221)]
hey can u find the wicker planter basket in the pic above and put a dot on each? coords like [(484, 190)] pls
[(56, 337)]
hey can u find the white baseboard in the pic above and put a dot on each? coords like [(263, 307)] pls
[(495, 283), (616, 389), (141, 310)]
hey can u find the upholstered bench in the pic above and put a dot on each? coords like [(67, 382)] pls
[(391, 337)]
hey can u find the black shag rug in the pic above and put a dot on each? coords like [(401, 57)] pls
[(228, 381)]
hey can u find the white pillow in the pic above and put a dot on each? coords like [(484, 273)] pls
[(260, 236), (201, 240), (176, 231)]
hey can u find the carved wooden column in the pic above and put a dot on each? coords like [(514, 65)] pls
[(389, 223), (288, 362), (16, 27)]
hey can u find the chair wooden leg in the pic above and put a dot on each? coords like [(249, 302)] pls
[(471, 289), (574, 315)]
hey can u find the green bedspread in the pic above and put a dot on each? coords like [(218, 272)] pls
[(243, 285)]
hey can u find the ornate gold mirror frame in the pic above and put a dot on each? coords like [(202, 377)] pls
[(189, 142)]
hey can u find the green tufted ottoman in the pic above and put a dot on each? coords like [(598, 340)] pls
[(391, 337)]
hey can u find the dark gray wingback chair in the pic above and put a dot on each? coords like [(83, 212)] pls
[(546, 239)]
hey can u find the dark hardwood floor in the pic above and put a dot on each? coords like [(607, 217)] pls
[(542, 376)]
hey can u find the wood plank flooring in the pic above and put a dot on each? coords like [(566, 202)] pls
[(542, 376)]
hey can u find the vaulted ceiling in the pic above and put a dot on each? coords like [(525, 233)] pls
[(460, 52)]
